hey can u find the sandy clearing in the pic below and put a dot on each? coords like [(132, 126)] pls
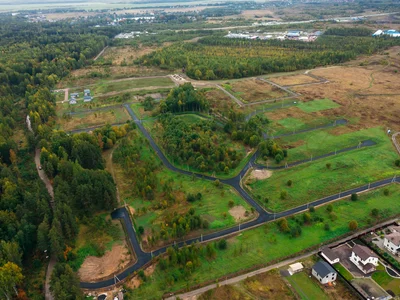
[(238, 212), (94, 268), (260, 174)]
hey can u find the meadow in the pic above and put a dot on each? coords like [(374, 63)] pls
[(266, 244), (327, 176)]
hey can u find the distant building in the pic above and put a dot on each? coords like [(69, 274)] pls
[(324, 272), (295, 268), (74, 95), (330, 256), (392, 242), (86, 92), (87, 98), (378, 33), (364, 259), (72, 101)]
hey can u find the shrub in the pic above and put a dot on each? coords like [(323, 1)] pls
[(283, 225), (329, 208), (295, 231), (278, 158), (289, 183), (353, 225), (311, 209), (307, 218), (375, 212), (327, 227), (142, 275), (205, 224), (354, 197), (231, 203), (397, 162), (386, 192), (328, 165), (332, 216), (284, 195), (222, 244), (141, 230)]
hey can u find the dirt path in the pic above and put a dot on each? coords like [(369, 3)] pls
[(101, 53)]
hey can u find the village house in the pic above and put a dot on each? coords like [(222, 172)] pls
[(324, 273), (392, 242), (364, 259), (330, 256)]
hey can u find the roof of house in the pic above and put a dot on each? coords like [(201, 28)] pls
[(296, 266), (394, 238), (323, 268), (329, 253), (74, 94), (86, 91), (363, 252)]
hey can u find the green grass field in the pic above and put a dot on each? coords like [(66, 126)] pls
[(343, 271), (307, 288), (387, 282), (317, 105), (213, 206), (321, 142), (266, 243), (314, 180)]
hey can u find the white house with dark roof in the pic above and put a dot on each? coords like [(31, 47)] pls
[(364, 258), (324, 272), (392, 242), (330, 256)]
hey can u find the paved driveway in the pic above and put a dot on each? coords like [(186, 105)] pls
[(344, 253)]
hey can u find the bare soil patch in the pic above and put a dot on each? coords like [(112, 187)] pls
[(135, 282), (94, 268), (292, 112), (224, 292), (126, 53), (238, 212), (293, 79), (260, 174), (253, 90)]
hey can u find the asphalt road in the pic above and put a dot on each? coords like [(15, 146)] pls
[(263, 216)]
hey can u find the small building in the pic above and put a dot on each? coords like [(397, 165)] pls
[(378, 33), (330, 256), (87, 98), (364, 258), (324, 273), (86, 92), (295, 268), (72, 101), (392, 242), (74, 95)]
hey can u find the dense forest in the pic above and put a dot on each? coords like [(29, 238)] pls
[(34, 57), (222, 58)]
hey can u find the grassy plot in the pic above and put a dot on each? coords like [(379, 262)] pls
[(306, 287), (316, 143), (254, 90), (214, 205), (315, 180), (96, 237), (139, 111), (343, 271), (96, 118), (266, 243), (103, 87), (317, 105), (387, 282)]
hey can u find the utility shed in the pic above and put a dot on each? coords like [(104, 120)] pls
[(330, 256), (295, 268)]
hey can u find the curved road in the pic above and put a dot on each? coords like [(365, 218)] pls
[(263, 216)]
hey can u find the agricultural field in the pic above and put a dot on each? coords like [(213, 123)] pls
[(253, 90), (93, 118), (266, 244), (220, 205), (315, 179)]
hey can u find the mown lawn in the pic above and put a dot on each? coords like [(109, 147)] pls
[(343, 271), (321, 142), (317, 105), (387, 282), (314, 180), (266, 243), (306, 287)]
